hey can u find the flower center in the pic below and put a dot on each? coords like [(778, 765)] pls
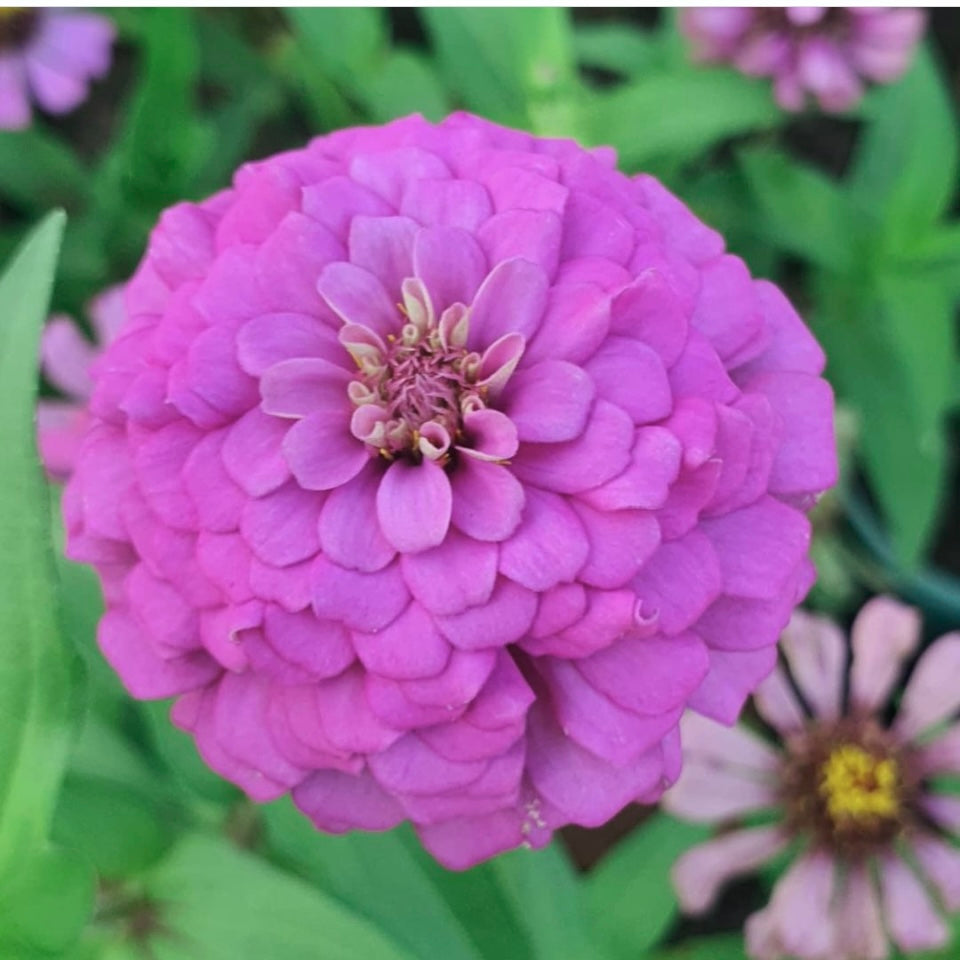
[(850, 785), (16, 26), (415, 387), (859, 786)]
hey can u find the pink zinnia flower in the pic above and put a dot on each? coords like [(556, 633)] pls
[(439, 469), (66, 358), (826, 52), (50, 56), (853, 794)]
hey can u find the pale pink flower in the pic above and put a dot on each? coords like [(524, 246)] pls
[(825, 52), (854, 796)]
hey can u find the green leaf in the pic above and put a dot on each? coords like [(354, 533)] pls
[(38, 172), (862, 330), (218, 903), (405, 83), (515, 66), (804, 212), (725, 946), (680, 114), (906, 164), (346, 43), (548, 899), (377, 875), (630, 898), (119, 830), (38, 673), (615, 47)]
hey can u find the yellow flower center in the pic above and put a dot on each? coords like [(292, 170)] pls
[(858, 786)]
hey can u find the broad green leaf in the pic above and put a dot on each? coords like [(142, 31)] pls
[(804, 212), (724, 946), (375, 874), (615, 47), (906, 164), (630, 899), (901, 437), (37, 171), (345, 43), (548, 898), (680, 114), (218, 903), (404, 83), (515, 66), (119, 830), (935, 258), (39, 675)]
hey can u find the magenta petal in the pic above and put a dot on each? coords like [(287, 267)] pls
[(451, 264), (252, 455), (671, 668), (414, 502), (549, 402), (631, 375), (410, 766), (587, 789), (357, 296), (550, 545), (321, 451), (490, 435), (297, 388), (511, 299), (384, 247), (281, 528), (621, 541), (338, 802), (409, 648), (218, 499), (349, 530), (488, 499), (456, 574), (502, 619), (320, 647), (600, 453), (272, 337), (363, 601)]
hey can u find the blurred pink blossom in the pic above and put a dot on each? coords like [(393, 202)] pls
[(826, 52), (49, 56)]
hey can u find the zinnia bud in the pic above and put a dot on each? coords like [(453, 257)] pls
[(438, 470)]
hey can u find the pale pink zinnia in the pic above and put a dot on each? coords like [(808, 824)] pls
[(438, 469), (66, 357), (826, 52), (49, 56), (851, 792)]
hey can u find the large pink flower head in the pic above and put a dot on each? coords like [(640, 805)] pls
[(438, 469), (49, 56), (857, 796), (824, 52)]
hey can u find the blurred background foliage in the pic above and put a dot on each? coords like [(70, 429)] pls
[(116, 842)]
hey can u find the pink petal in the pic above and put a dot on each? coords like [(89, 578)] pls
[(357, 296), (490, 435), (296, 388), (488, 500), (349, 530), (816, 651), (549, 546), (883, 637), (273, 337), (456, 574), (66, 357), (859, 927), (911, 918), (940, 863), (733, 676), (776, 703), (414, 503), (549, 402), (384, 247), (407, 649), (451, 264), (701, 872), (631, 375), (932, 694), (14, 101), (511, 299), (801, 906), (321, 451)]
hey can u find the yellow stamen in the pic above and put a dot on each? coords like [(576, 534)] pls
[(857, 785)]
